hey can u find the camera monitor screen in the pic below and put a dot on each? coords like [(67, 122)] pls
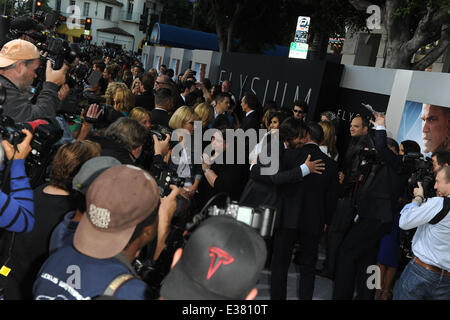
[(426, 124), (245, 215)]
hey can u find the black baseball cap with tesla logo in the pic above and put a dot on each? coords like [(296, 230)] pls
[(222, 260)]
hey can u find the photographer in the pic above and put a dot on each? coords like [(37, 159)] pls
[(19, 60), (349, 187), (123, 140), (440, 159), (17, 212), (108, 238), (427, 276), (375, 204)]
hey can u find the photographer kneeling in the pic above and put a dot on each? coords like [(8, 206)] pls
[(19, 60)]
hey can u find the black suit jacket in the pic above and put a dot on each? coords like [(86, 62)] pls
[(145, 100), (378, 197), (251, 121), (309, 204), (160, 117), (262, 189)]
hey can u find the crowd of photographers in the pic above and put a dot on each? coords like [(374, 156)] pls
[(96, 203)]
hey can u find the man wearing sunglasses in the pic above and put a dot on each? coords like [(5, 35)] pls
[(300, 110)]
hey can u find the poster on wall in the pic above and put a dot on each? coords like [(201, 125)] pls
[(426, 124)]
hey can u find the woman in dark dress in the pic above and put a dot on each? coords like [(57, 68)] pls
[(220, 176)]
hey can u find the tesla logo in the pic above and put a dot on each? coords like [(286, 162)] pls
[(218, 257)]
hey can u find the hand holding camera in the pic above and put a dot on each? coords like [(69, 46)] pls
[(168, 205), (57, 77), (161, 147), (23, 149)]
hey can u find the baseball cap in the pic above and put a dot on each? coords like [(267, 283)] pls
[(119, 199), (90, 170), (222, 260), (16, 50)]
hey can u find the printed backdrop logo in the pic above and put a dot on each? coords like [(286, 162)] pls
[(218, 257)]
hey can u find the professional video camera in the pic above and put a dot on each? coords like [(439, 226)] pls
[(45, 135), (58, 50), (419, 169)]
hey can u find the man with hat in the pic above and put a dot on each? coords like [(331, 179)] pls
[(222, 260), (119, 220), (19, 60)]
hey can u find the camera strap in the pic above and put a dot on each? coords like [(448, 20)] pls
[(443, 213)]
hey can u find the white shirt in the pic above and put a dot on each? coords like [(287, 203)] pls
[(431, 243), (324, 149), (246, 115)]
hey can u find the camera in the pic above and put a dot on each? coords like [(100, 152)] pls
[(419, 169), (164, 177), (161, 132), (262, 219), (369, 155), (45, 135), (148, 149), (59, 50), (77, 77)]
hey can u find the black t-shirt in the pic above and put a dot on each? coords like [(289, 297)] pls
[(31, 249)]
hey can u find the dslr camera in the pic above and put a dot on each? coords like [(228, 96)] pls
[(164, 177)]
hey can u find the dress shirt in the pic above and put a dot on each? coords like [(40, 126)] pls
[(431, 243)]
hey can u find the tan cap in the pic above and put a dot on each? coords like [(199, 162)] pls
[(16, 50), (116, 202)]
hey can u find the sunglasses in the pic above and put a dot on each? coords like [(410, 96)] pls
[(298, 111), (157, 82)]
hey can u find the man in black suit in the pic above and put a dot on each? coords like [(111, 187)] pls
[(250, 105), (306, 209), (146, 99), (375, 203), (163, 105), (262, 189)]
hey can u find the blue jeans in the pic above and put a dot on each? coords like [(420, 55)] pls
[(418, 283)]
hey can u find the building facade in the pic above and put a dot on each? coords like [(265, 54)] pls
[(115, 23)]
